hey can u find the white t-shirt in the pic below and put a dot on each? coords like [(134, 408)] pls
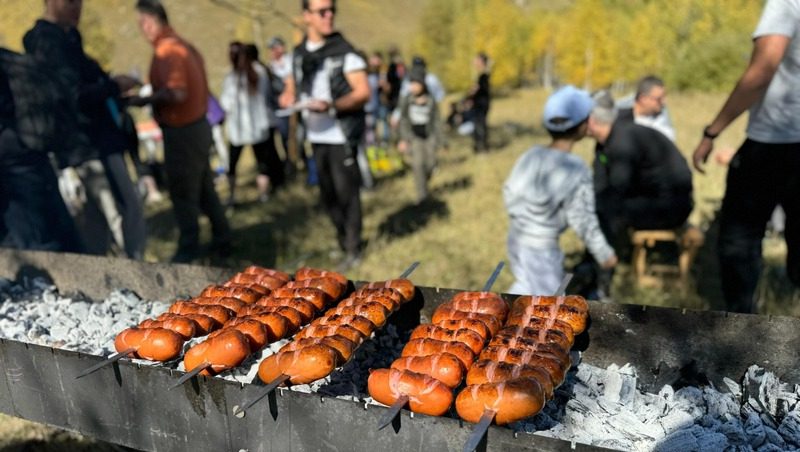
[(282, 67), (776, 119), (323, 128), (247, 118)]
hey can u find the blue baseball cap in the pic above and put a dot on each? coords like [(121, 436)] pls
[(566, 108)]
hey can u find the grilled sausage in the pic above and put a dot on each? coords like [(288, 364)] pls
[(219, 313), (387, 302), (574, 301), (296, 318), (330, 286), (468, 337), (155, 344), (265, 281), (225, 351), (317, 297), (444, 367), (510, 336), (522, 320), (483, 302), (373, 311), (302, 366), (303, 306), (574, 317), (323, 331), (425, 347), (404, 286), (203, 323), (306, 273), (446, 313), (362, 324), (343, 346), (511, 401), (231, 303), (395, 295), (256, 270), (256, 332), (245, 294), (277, 325), (551, 363), (425, 394), (184, 326), (470, 324), (487, 371)]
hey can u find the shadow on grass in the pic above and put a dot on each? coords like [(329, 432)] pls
[(412, 217)]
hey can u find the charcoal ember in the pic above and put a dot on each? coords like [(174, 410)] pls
[(712, 441), (719, 404), (769, 447), (679, 440), (690, 400), (734, 431), (774, 438)]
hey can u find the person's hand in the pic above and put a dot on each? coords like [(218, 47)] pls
[(610, 263), (71, 188), (701, 154), (402, 146), (137, 101), (126, 82), (318, 106), (285, 100)]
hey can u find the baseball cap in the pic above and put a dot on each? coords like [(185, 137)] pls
[(417, 74), (566, 108), (276, 41)]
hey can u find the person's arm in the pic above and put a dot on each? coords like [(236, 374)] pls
[(768, 52), (582, 218), (176, 79), (359, 94), (288, 96), (404, 125)]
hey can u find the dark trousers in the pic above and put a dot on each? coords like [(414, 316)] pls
[(191, 187), (760, 177), (269, 163), (480, 134), (339, 186), (34, 216)]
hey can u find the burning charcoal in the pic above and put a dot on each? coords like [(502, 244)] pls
[(712, 442), (718, 404), (774, 438), (735, 433)]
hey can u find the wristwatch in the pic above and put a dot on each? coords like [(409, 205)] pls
[(709, 135)]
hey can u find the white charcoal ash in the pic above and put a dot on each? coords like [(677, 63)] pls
[(587, 410), (34, 311)]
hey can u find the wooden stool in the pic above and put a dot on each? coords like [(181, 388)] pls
[(688, 239)]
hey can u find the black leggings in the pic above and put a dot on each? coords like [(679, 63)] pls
[(267, 159)]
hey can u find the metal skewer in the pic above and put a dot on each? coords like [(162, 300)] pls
[(409, 270), (401, 401), (237, 410), (188, 376), (488, 416), (110, 360)]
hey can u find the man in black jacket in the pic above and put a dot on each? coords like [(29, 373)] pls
[(111, 196), (330, 80), (641, 179)]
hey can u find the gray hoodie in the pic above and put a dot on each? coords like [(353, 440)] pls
[(547, 191)]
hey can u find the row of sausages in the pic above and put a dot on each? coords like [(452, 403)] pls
[(330, 340), (521, 366), (434, 361), (255, 307), (511, 360)]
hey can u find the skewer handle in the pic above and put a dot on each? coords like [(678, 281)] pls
[(188, 376), (110, 360), (409, 270), (479, 431), (393, 412), (564, 283), (264, 392), (490, 282)]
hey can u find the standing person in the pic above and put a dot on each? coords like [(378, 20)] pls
[(330, 79), (33, 215), (548, 189), (420, 130), (481, 98), (112, 204), (648, 107), (179, 100), (763, 173), (374, 108), (250, 121), (280, 65)]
